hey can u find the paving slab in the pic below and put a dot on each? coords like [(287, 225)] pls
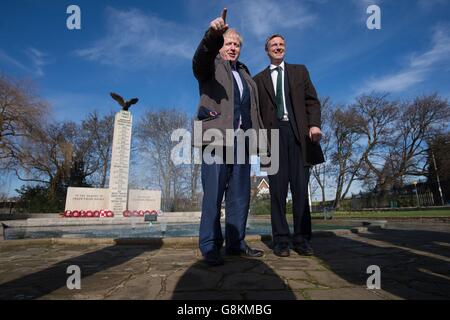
[(414, 261), (302, 284), (193, 279), (203, 295), (328, 279), (253, 281), (343, 294), (274, 295), (141, 287)]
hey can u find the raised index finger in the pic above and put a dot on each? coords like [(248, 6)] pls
[(224, 15)]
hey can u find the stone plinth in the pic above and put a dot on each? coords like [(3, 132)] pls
[(144, 200), (87, 199), (120, 162)]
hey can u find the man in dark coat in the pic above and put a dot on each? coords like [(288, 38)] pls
[(289, 103)]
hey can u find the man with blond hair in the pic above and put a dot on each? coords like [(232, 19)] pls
[(228, 101)]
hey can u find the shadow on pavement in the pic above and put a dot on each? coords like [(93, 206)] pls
[(239, 279), (41, 283), (414, 264)]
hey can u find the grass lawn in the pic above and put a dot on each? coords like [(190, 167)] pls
[(387, 214)]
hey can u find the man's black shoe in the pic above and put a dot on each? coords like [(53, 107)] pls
[(303, 248), (213, 259), (281, 250), (247, 252)]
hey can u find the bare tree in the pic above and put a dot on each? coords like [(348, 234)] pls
[(424, 118), (153, 134), (46, 158), (321, 172), (363, 134), (345, 126), (438, 157), (378, 124), (65, 154), (101, 130), (404, 152), (21, 113)]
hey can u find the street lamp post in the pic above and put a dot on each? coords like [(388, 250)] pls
[(437, 177), (309, 195), (417, 194)]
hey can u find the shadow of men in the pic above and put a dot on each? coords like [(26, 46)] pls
[(433, 240), (239, 278), (41, 283), (414, 264)]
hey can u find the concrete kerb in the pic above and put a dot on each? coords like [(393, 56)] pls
[(176, 242)]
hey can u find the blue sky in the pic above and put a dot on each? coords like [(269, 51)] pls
[(144, 48)]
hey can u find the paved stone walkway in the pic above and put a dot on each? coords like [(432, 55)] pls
[(414, 260)]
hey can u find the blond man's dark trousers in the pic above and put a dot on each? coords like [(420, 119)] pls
[(233, 180)]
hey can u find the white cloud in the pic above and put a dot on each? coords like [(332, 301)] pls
[(261, 17), (439, 52), (37, 58), (136, 39), (418, 68), (395, 82), (8, 60), (34, 66)]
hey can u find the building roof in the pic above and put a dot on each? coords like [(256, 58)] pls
[(256, 181)]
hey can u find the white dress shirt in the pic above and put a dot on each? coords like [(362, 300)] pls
[(274, 74), (238, 79)]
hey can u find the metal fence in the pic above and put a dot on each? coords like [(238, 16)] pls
[(421, 194)]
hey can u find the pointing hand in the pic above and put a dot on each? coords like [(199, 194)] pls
[(219, 25)]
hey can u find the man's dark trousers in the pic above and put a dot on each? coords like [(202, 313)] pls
[(234, 181), (293, 172)]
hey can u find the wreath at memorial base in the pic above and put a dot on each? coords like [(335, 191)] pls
[(88, 214)]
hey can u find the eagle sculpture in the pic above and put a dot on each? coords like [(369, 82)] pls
[(121, 101)]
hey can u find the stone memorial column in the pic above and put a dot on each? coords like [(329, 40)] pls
[(120, 161)]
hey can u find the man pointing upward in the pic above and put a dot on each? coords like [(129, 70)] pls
[(228, 101)]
